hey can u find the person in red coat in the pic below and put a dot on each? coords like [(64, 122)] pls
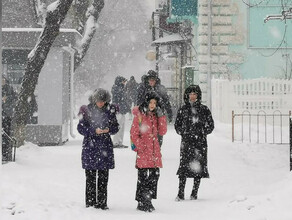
[(148, 123)]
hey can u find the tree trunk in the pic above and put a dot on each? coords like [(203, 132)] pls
[(36, 59), (89, 30)]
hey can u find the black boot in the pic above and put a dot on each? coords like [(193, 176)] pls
[(194, 194), (181, 189)]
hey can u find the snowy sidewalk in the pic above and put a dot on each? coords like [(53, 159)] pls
[(248, 182)]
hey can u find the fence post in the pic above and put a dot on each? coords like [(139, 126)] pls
[(232, 126)]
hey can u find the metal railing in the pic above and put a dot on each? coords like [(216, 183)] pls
[(259, 115)]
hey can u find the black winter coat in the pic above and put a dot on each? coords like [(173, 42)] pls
[(193, 151), (120, 97)]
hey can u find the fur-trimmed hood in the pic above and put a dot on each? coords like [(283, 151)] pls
[(193, 88), (99, 95)]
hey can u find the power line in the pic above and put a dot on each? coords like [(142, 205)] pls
[(255, 5), (283, 39)]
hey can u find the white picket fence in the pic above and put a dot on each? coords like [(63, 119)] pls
[(254, 95)]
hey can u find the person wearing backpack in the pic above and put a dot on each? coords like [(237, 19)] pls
[(149, 121)]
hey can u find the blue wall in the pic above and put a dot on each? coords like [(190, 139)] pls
[(266, 44)]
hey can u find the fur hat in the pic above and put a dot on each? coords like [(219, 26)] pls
[(100, 95), (149, 95)]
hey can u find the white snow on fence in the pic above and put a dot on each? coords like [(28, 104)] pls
[(254, 95)]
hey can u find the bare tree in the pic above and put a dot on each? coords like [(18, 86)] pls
[(56, 13)]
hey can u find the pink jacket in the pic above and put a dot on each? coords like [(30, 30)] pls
[(144, 131)]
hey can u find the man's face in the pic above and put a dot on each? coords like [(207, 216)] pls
[(152, 82)]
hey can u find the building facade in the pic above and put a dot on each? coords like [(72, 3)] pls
[(229, 39)]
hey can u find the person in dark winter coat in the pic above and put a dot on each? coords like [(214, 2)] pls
[(194, 122), (131, 90), (8, 104), (120, 98), (149, 121), (97, 122), (152, 83)]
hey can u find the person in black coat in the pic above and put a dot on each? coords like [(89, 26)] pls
[(194, 122), (121, 100), (152, 83), (131, 90)]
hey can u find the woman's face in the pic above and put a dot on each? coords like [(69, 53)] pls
[(193, 96), (100, 104), (152, 104)]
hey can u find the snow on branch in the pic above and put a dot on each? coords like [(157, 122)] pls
[(92, 15), (40, 10)]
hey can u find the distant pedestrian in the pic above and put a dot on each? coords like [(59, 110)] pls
[(152, 83), (194, 122), (120, 98), (131, 90), (97, 122), (149, 121)]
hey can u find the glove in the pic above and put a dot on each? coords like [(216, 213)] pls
[(159, 112)]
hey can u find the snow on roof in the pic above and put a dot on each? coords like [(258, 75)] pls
[(169, 39), (37, 30)]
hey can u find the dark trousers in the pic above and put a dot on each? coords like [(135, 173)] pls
[(90, 192), (182, 183), (147, 184)]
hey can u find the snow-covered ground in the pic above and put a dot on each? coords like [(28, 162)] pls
[(248, 182)]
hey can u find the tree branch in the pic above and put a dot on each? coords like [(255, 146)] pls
[(93, 13)]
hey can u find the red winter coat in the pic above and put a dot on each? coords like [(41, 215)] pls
[(144, 131)]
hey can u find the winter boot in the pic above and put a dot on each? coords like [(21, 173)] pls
[(149, 206), (181, 189), (141, 206), (194, 194)]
